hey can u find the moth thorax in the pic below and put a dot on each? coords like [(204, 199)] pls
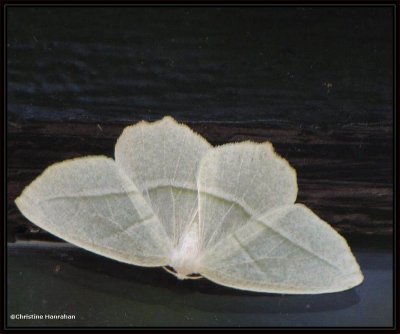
[(184, 257)]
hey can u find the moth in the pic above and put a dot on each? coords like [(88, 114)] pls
[(169, 199)]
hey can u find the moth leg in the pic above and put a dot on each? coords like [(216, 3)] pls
[(195, 276)]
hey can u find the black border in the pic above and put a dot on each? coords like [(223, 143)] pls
[(17, 3)]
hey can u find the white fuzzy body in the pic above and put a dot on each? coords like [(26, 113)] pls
[(185, 257)]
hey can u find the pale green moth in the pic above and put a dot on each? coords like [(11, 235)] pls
[(169, 198)]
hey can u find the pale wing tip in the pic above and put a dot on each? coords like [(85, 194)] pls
[(19, 202), (165, 120), (22, 204), (358, 279), (270, 148), (65, 163), (266, 144), (26, 202), (355, 276), (351, 281), (28, 208), (169, 118), (184, 126)]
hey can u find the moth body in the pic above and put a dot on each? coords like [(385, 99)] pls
[(185, 257)]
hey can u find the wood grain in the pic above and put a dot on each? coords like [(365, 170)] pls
[(343, 175), (315, 81)]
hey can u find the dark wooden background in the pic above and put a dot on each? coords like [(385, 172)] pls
[(315, 81)]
